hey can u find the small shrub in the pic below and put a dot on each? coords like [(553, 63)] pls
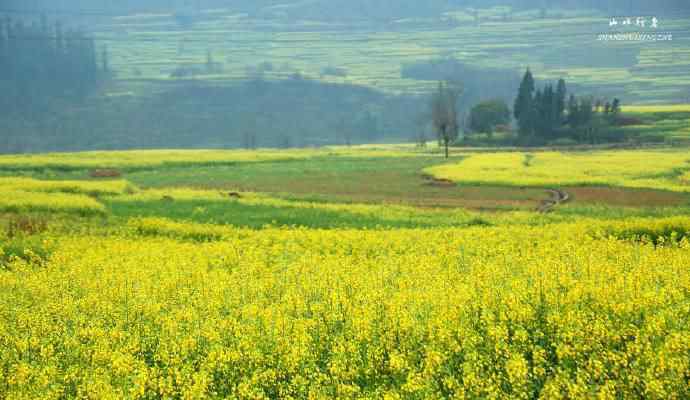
[(478, 222), (528, 160), (130, 189)]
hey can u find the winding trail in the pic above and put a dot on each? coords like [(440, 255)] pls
[(558, 196)]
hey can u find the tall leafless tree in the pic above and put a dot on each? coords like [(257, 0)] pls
[(444, 113)]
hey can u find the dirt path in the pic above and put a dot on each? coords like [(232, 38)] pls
[(558, 196), (433, 181)]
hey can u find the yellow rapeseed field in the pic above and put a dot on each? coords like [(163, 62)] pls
[(23, 201), (123, 306), (635, 169), (665, 108), (550, 312), (133, 159), (26, 194), (111, 187)]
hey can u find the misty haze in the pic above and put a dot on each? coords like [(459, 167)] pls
[(331, 199)]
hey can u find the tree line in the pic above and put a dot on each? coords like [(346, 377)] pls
[(547, 114), (201, 114), (43, 61), (542, 115)]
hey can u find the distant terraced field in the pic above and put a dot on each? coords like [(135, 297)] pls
[(152, 47)]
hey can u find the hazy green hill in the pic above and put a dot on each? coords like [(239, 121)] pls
[(564, 44), (385, 58)]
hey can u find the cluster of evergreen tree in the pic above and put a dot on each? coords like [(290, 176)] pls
[(581, 112), (539, 113), (545, 115), (42, 61)]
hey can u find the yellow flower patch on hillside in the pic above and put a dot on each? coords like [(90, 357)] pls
[(635, 169)]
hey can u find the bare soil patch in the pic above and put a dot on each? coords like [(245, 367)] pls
[(105, 173), (437, 182)]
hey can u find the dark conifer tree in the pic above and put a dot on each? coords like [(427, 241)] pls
[(525, 93), (549, 111), (561, 94), (537, 120), (523, 109)]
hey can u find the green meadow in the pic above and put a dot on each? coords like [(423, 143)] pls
[(360, 187)]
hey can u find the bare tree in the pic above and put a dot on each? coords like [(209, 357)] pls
[(444, 113)]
